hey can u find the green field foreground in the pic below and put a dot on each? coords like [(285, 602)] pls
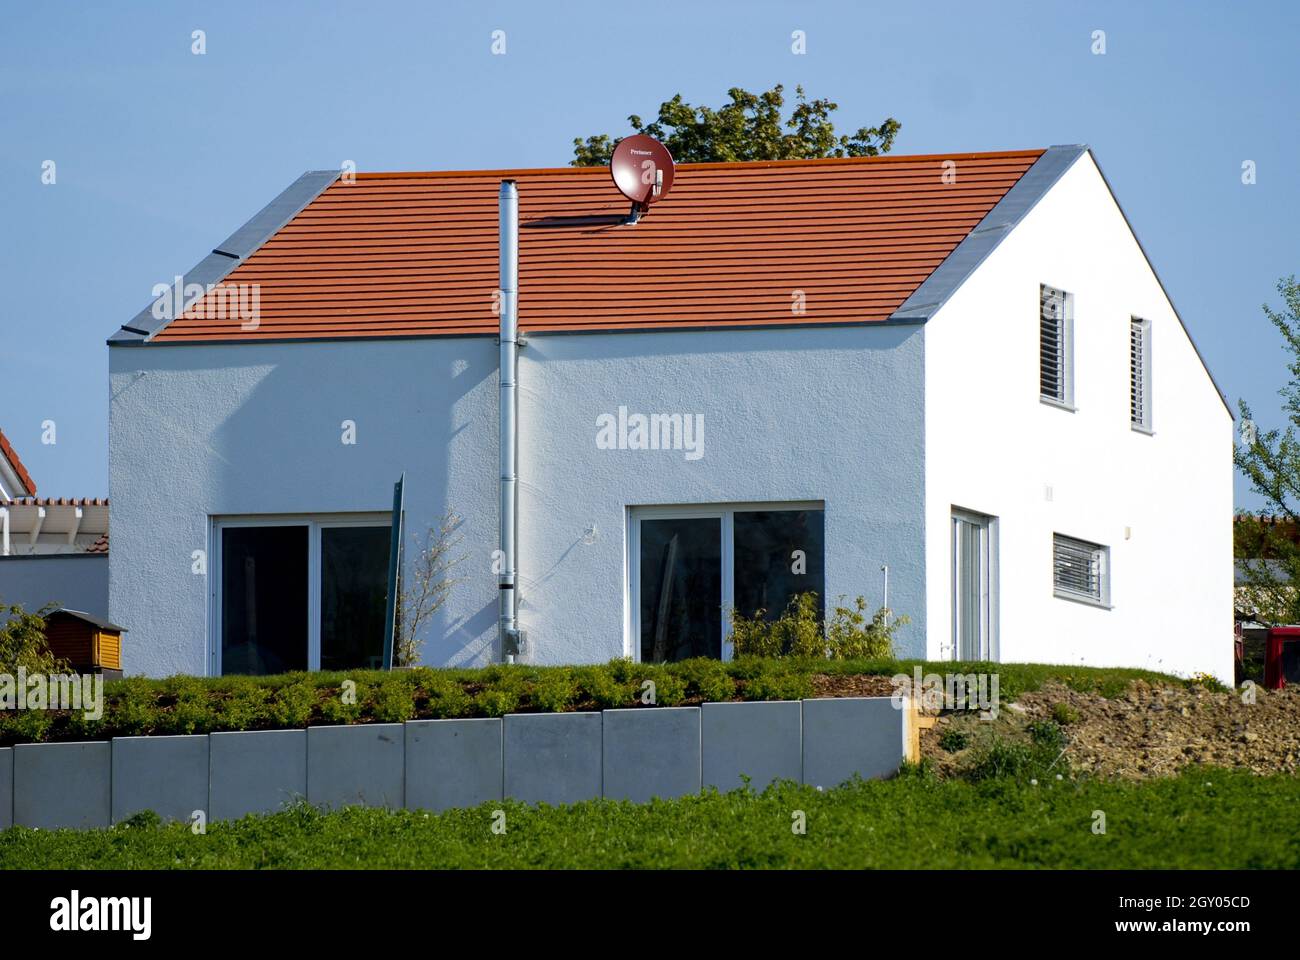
[(1205, 818)]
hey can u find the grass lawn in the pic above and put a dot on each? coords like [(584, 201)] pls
[(1202, 819)]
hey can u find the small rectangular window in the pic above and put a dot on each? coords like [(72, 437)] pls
[(1055, 346), (1080, 570), (1139, 347)]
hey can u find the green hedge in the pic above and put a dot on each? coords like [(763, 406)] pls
[(185, 705), (912, 821)]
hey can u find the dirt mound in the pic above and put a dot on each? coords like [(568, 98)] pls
[(1150, 731)]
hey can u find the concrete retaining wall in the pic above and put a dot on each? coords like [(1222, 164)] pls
[(634, 754)]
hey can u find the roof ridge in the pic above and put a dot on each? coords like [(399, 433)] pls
[(704, 165)]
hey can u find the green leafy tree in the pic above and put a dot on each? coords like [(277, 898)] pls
[(750, 127), (22, 642), (1268, 546)]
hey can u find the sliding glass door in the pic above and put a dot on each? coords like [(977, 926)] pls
[(300, 593), (692, 565), (681, 588), (264, 599)]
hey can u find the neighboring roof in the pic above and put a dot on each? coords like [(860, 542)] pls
[(16, 466), (89, 618), (735, 244), (58, 502), (100, 545)]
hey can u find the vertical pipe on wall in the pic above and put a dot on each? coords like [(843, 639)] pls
[(509, 439)]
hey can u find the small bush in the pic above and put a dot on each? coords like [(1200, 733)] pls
[(1064, 714), (1000, 759), (555, 690), (954, 741), (1047, 734), (22, 642), (800, 632)]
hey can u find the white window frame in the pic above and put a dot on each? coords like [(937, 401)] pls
[(1066, 400), (726, 514), (1103, 574), (314, 523), (1143, 375), (989, 526)]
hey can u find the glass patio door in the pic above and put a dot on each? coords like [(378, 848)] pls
[(972, 586), (681, 588)]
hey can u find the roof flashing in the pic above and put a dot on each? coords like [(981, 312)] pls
[(236, 248)]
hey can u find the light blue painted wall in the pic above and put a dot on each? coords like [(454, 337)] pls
[(78, 581), (220, 430), (807, 413), (833, 414)]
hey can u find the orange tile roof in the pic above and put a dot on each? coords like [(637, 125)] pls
[(415, 254), (10, 454), (59, 502)]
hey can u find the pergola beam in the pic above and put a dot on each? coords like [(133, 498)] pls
[(36, 527)]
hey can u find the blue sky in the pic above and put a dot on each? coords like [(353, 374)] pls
[(160, 153)]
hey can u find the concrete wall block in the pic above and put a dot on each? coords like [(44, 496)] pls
[(651, 752), (6, 788), (763, 741), (168, 775), (360, 765), (453, 763), (257, 771), (63, 785), (552, 757), (848, 735)]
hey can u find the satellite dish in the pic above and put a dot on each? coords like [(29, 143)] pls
[(642, 169)]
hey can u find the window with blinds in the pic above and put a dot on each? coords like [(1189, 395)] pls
[(1139, 350), (1080, 569), (1054, 346)]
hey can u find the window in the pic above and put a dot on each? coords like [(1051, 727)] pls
[(300, 594), (1139, 349), (692, 565), (1056, 347), (1081, 570)]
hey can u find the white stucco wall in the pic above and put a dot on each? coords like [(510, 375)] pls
[(221, 430), (196, 431), (831, 414), (1163, 503)]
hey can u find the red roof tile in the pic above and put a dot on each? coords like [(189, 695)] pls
[(415, 254), (59, 502), (11, 455)]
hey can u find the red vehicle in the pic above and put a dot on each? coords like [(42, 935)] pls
[(1282, 657)]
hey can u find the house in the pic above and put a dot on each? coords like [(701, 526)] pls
[(53, 550), (951, 384)]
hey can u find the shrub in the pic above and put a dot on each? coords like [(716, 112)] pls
[(555, 690), (22, 642), (707, 679), (1064, 714), (954, 741), (1047, 734), (800, 632)]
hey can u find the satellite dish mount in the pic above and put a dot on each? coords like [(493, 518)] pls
[(642, 169)]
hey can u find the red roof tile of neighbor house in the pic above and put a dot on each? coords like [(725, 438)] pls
[(10, 454), (59, 502), (415, 254), (100, 545)]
